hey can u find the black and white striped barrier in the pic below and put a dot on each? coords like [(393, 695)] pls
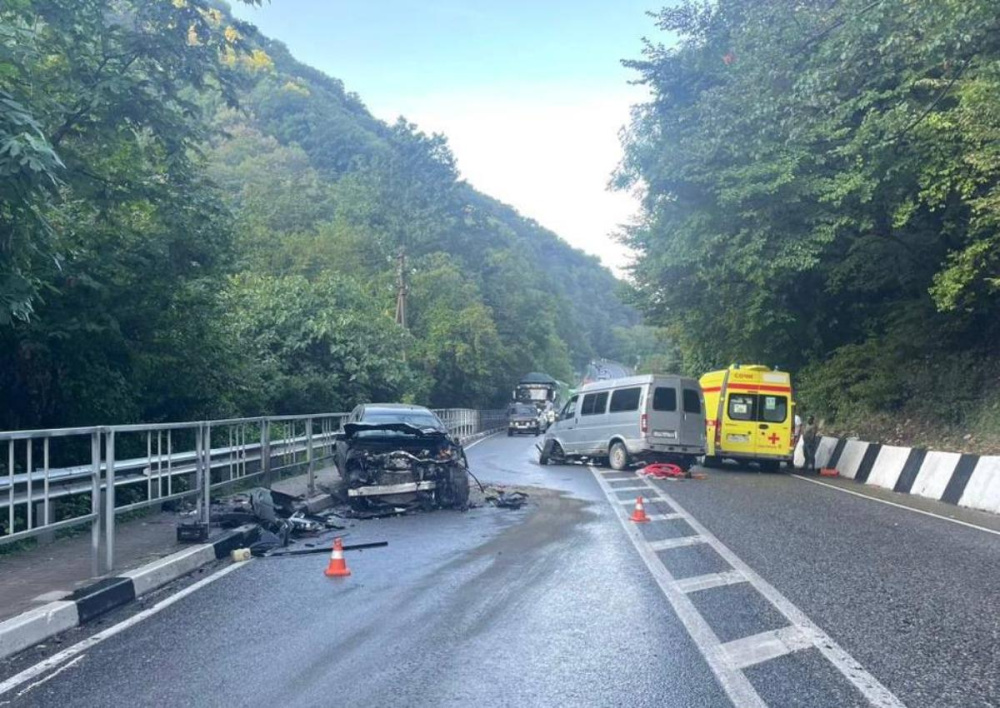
[(971, 481), (94, 600)]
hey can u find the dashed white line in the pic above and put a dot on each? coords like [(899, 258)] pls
[(709, 581), (758, 648), (667, 543)]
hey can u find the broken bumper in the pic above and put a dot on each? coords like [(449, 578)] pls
[(376, 490)]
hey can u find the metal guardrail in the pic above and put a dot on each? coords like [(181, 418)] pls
[(60, 478)]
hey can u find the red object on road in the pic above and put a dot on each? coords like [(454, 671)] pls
[(828, 472), (338, 566), (663, 470), (639, 515)]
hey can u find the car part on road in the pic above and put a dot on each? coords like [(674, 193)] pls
[(639, 513), (316, 551), (192, 532), (239, 555)]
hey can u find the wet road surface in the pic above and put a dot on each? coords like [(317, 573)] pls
[(563, 603)]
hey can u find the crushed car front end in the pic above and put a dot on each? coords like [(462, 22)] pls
[(403, 465)]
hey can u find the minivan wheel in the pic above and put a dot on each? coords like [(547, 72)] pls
[(618, 456)]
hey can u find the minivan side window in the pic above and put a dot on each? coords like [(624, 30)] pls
[(741, 406), (625, 399), (664, 399), (773, 409), (594, 403), (692, 401), (569, 410)]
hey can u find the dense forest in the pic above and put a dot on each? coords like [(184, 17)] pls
[(822, 192), (194, 224)]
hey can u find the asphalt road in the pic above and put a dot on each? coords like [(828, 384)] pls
[(820, 599)]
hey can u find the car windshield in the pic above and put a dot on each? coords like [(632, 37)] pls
[(419, 419), (523, 410)]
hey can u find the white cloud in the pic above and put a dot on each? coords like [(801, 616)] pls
[(548, 153)]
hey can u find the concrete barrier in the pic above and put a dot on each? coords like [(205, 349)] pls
[(971, 481)]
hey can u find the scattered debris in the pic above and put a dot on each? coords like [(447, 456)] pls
[(664, 470), (504, 498), (192, 532)]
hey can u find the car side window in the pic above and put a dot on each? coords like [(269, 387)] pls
[(741, 406), (594, 403), (569, 410), (625, 399)]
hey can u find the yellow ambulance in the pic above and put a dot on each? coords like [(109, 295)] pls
[(749, 415)]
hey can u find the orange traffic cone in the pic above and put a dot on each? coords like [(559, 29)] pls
[(639, 515), (338, 566)]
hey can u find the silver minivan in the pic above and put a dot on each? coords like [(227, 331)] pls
[(648, 418)]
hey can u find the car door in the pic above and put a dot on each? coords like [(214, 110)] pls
[(773, 424), (739, 424), (692, 417), (565, 429), (592, 428)]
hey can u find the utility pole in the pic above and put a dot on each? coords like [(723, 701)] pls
[(401, 289)]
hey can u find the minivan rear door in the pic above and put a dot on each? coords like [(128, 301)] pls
[(774, 426), (664, 425), (692, 417)]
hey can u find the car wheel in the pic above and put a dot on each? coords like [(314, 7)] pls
[(543, 454), (459, 487), (510, 433), (618, 456)]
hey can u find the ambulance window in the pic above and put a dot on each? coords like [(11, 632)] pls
[(665, 399), (741, 406), (692, 401), (625, 399), (594, 403), (773, 409)]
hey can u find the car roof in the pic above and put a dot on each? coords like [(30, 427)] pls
[(608, 384), (371, 407)]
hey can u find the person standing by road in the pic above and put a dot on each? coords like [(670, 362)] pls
[(810, 441)]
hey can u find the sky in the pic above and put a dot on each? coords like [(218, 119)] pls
[(530, 93)]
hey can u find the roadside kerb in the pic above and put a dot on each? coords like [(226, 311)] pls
[(94, 600)]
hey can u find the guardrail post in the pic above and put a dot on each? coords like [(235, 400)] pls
[(309, 457), (265, 451), (206, 466), (109, 501), (95, 503)]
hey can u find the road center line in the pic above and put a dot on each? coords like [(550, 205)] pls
[(870, 687), (736, 685), (897, 505), (80, 647)]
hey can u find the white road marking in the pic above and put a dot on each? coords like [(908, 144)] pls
[(736, 685), (77, 649), (667, 543), (898, 506), (758, 648), (709, 581), (476, 442), (663, 517), (870, 687), (629, 489), (51, 676)]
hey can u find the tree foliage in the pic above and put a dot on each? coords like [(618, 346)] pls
[(822, 184), (194, 224)]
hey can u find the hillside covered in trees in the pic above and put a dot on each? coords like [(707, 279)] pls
[(194, 224), (822, 192)]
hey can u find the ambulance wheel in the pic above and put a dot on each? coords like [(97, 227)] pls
[(711, 461), (618, 456), (770, 466)]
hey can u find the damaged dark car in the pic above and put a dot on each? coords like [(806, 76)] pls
[(401, 456)]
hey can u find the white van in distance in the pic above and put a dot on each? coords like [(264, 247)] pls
[(645, 419)]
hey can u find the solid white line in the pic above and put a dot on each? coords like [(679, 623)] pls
[(77, 649), (709, 581), (668, 543), (765, 646), (629, 489), (898, 506), (736, 685), (51, 676), (870, 687), (476, 442)]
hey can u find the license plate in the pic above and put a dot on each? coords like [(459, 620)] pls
[(738, 438), (665, 434)]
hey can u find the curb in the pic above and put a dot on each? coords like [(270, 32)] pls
[(87, 603), (971, 481)]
